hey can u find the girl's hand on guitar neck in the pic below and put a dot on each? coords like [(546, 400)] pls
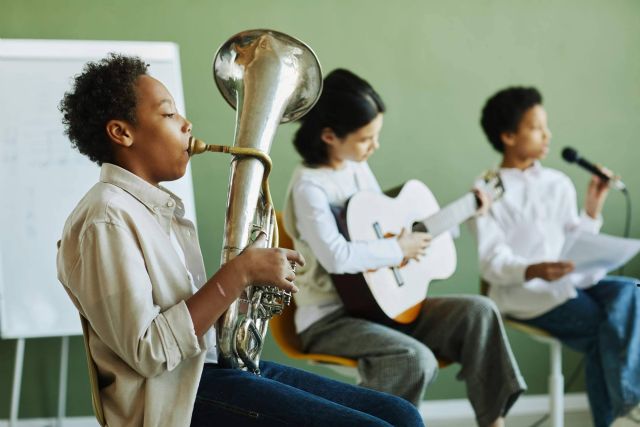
[(483, 200), (413, 244)]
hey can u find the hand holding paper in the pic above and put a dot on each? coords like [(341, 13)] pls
[(598, 251)]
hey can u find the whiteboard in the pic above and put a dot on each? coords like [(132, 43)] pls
[(42, 178)]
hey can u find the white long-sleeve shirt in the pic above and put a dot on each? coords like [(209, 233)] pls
[(527, 226), (310, 222)]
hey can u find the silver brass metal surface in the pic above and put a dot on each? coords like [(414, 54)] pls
[(269, 78)]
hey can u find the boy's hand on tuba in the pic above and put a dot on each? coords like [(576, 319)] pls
[(269, 266), (413, 244)]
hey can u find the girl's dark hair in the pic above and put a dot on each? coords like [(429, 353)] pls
[(105, 90), (346, 104), (504, 110)]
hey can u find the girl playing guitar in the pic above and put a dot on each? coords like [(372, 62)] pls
[(335, 140)]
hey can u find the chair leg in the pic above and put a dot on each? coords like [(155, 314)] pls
[(556, 385)]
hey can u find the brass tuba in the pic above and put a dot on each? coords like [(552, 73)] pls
[(269, 78)]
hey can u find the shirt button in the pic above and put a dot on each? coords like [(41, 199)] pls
[(156, 209), (188, 233), (170, 203)]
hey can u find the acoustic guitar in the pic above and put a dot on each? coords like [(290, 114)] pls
[(394, 295)]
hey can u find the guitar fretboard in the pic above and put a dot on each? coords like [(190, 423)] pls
[(450, 216)]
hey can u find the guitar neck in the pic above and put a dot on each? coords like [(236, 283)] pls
[(450, 216)]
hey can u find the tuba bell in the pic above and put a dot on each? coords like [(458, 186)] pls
[(269, 78)]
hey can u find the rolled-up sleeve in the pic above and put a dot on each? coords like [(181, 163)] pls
[(113, 287), (317, 226)]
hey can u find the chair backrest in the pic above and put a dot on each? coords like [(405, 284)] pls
[(93, 376), (283, 328), (484, 287), (522, 327), (285, 240)]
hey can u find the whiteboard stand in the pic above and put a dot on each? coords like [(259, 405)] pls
[(17, 381), (62, 384)]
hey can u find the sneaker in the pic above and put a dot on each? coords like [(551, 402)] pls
[(634, 414), (632, 419)]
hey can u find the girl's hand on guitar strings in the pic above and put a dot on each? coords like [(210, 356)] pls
[(413, 244)]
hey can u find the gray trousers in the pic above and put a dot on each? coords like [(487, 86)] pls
[(402, 360)]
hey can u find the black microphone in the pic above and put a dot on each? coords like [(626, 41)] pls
[(572, 156)]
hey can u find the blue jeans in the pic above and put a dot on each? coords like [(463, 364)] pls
[(603, 322), (284, 396)]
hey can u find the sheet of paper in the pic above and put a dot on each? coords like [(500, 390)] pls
[(591, 252)]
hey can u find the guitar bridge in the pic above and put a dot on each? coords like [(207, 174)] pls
[(395, 270)]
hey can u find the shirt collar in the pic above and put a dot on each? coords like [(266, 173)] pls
[(157, 199), (535, 170)]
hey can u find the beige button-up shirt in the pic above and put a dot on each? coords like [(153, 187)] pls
[(118, 265)]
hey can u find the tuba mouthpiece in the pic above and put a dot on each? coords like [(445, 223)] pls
[(196, 146)]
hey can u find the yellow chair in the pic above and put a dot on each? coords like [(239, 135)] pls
[(283, 329), (93, 376), (556, 379), (93, 371)]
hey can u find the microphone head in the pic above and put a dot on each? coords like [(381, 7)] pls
[(569, 154)]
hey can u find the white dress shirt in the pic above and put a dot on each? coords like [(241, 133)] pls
[(528, 226)]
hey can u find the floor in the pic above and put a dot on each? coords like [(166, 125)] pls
[(572, 419)]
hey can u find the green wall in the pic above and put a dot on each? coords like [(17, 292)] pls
[(434, 62)]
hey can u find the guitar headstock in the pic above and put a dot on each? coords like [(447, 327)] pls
[(492, 184)]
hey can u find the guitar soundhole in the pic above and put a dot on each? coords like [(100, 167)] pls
[(419, 226)]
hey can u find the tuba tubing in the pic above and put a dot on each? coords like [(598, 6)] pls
[(269, 78)]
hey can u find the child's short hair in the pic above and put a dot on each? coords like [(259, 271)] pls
[(105, 90), (504, 110)]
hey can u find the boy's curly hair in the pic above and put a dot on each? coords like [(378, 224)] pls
[(105, 90), (504, 110)]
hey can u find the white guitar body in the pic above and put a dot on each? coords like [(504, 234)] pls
[(414, 203)]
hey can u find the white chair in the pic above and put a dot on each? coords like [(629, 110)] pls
[(556, 379)]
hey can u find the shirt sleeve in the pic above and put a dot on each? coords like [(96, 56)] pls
[(371, 182), (115, 292), (498, 264), (569, 210), (317, 226), (588, 224)]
